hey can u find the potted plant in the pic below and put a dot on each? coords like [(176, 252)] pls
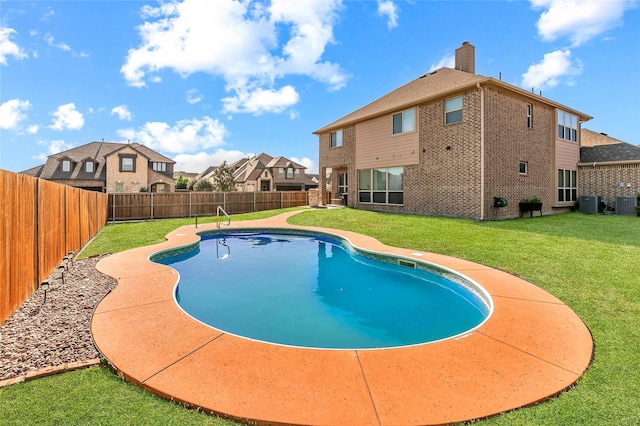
[(530, 205)]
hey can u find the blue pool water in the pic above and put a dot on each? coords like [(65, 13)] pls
[(313, 291)]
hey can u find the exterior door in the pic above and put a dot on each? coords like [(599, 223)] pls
[(343, 183)]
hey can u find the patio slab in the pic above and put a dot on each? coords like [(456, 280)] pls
[(531, 348)]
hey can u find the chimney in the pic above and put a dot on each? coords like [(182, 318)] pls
[(466, 58)]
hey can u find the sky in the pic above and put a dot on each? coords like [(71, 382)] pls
[(207, 81)]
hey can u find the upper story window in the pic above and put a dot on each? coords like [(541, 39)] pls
[(404, 121), (159, 167), (529, 116), (127, 163), (336, 139), (281, 172), (289, 172), (89, 166), (453, 110), (296, 173), (66, 165), (567, 126)]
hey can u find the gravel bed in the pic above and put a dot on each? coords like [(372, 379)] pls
[(56, 331)]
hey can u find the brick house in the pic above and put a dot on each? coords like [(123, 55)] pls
[(109, 167), (450, 141), (265, 173), (608, 167)]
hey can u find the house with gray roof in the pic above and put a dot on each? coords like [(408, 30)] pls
[(266, 173), (109, 167), (608, 167), (455, 143)]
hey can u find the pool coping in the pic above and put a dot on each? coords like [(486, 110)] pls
[(531, 348)]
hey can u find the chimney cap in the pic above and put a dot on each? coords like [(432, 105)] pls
[(464, 43)]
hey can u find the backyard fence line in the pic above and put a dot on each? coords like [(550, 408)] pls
[(40, 223), (154, 205)]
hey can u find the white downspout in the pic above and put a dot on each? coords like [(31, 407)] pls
[(481, 151)]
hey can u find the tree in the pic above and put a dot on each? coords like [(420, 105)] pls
[(204, 185), (222, 178), (182, 182)]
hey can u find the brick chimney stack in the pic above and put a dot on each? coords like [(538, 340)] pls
[(466, 58)]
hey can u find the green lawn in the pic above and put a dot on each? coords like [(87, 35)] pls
[(591, 262)]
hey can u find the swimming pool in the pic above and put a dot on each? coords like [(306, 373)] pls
[(314, 290)]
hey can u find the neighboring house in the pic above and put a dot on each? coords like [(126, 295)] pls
[(608, 167), (265, 173), (450, 141), (109, 167)]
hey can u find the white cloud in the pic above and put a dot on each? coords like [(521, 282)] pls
[(33, 129), (197, 163), (122, 112), (549, 72), (311, 165), (9, 48), (184, 136), (260, 100), (53, 147), (389, 9), (580, 20), (12, 113), (64, 46), (239, 41), (51, 42), (448, 61), (193, 96), (67, 117)]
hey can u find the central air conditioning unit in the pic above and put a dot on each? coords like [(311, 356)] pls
[(590, 204), (626, 205)]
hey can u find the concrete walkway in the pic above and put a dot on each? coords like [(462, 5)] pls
[(531, 348)]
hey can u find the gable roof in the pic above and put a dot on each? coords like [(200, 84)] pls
[(616, 152), (436, 84), (96, 151), (591, 138)]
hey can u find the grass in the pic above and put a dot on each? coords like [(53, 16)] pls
[(591, 262)]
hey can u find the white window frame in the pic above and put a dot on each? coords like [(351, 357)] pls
[(66, 166), (529, 116), (567, 185), (378, 191), (523, 165), (451, 107), (89, 166), (125, 167), (567, 126), (158, 166), (335, 139), (403, 122)]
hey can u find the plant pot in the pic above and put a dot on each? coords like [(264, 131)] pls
[(530, 207)]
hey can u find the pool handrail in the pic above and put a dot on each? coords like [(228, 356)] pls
[(220, 209)]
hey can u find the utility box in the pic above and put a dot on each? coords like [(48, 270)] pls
[(626, 205), (590, 204)]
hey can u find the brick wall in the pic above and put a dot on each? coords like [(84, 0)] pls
[(339, 159), (131, 181), (606, 180), (508, 141), (447, 179)]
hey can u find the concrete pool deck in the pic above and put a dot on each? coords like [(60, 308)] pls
[(531, 348)]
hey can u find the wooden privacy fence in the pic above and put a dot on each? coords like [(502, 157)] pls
[(153, 205), (40, 223)]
